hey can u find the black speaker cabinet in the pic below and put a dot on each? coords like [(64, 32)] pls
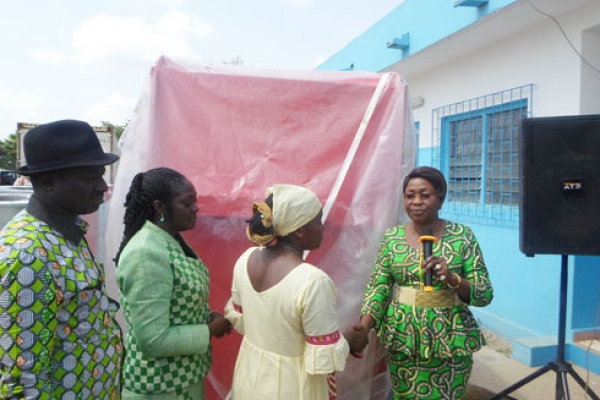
[(560, 185)]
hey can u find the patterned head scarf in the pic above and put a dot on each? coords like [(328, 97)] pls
[(293, 207)]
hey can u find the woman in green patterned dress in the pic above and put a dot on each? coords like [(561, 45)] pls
[(429, 337), (163, 287)]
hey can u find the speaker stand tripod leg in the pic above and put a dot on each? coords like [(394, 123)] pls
[(522, 382), (581, 382), (561, 367), (562, 386)]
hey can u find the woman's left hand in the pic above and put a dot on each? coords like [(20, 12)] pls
[(439, 268)]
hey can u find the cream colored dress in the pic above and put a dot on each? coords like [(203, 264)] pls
[(291, 335)]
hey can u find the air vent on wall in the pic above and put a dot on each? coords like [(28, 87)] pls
[(469, 3), (399, 43)]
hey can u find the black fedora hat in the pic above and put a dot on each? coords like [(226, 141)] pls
[(61, 145)]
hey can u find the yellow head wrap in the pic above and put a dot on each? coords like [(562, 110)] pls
[(293, 207)]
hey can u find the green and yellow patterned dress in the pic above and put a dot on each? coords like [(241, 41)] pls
[(428, 349), (58, 334)]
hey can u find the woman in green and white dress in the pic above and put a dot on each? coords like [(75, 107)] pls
[(164, 289)]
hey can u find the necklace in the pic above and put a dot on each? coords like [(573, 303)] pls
[(432, 227), (292, 249)]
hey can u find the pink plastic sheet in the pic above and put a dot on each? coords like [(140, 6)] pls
[(233, 131)]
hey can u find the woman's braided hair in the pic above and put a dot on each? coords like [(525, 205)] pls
[(160, 184)]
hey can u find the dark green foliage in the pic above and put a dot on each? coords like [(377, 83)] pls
[(8, 152)]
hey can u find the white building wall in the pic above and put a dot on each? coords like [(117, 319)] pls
[(590, 70), (539, 55)]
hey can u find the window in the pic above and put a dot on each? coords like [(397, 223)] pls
[(483, 156), (479, 153)]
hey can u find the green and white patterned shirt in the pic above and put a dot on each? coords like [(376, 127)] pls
[(58, 334), (164, 294)]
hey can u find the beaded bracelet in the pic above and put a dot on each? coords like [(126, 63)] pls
[(457, 283)]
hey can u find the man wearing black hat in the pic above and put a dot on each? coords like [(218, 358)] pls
[(58, 335)]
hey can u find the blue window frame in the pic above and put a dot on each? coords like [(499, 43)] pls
[(478, 152)]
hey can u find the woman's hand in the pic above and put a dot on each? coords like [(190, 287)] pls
[(358, 338), (218, 326), (439, 268)]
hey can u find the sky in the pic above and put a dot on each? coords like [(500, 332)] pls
[(90, 59)]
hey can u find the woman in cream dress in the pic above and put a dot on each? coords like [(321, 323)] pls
[(285, 307)]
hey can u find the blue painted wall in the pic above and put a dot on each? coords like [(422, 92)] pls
[(369, 51), (585, 306)]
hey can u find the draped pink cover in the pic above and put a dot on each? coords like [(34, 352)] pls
[(233, 131)]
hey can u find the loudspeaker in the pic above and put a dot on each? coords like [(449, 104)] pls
[(560, 185)]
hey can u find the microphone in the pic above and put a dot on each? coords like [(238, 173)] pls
[(427, 240)]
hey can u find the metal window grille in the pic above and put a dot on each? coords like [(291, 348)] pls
[(475, 144)]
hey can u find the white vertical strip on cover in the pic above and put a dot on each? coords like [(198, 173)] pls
[(364, 123)]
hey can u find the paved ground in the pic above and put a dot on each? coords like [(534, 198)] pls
[(494, 370)]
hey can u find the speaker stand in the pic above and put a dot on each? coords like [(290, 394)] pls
[(560, 366)]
